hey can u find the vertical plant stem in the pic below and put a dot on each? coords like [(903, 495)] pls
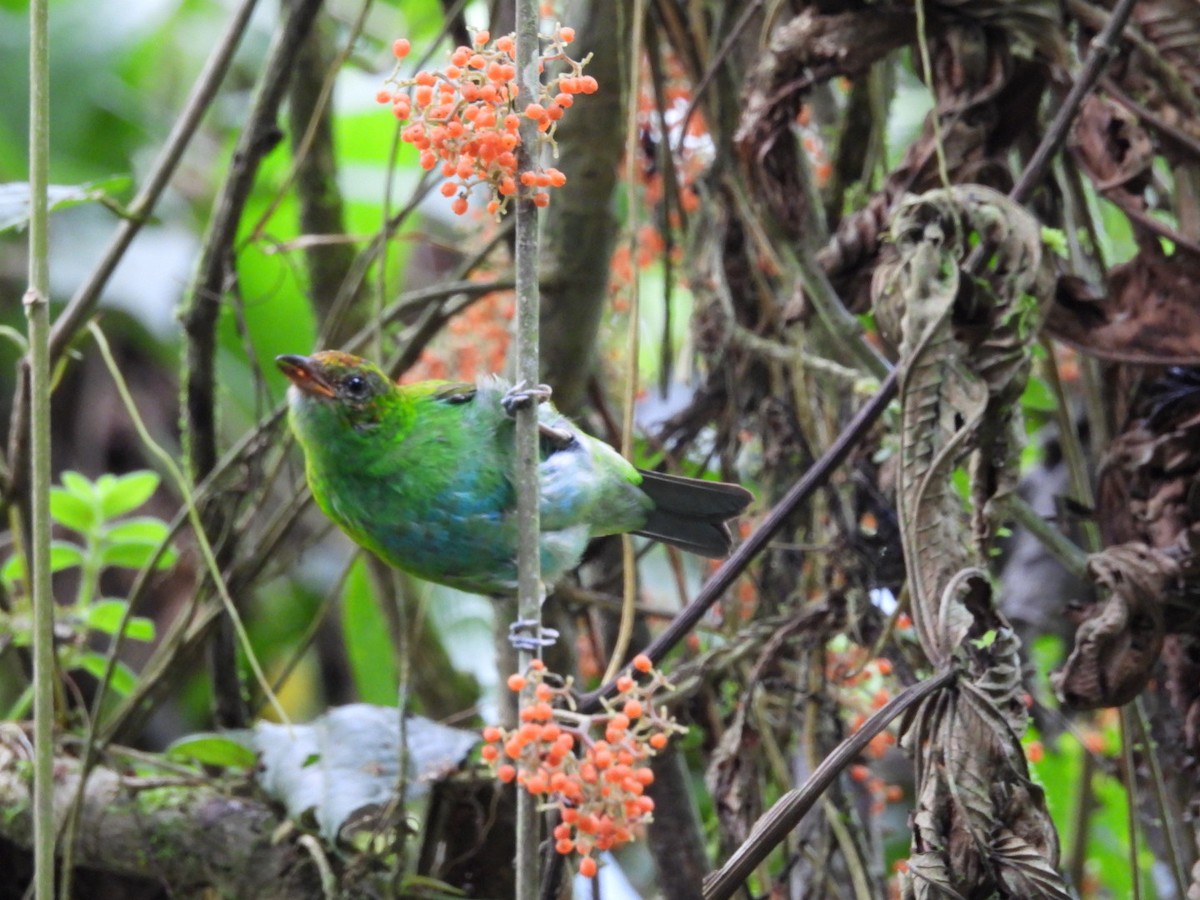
[(529, 580), (629, 559), (37, 309)]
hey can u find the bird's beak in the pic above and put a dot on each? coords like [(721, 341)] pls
[(305, 374)]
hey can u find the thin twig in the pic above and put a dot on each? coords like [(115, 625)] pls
[(773, 827), (37, 311), (632, 134), (774, 521), (525, 475)]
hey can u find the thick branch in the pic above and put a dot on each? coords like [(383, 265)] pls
[(187, 836)]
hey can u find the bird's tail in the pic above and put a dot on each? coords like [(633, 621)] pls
[(690, 513)]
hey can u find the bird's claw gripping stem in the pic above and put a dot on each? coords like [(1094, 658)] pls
[(530, 636), (521, 397)]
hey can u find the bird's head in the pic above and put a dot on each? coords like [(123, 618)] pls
[(335, 387)]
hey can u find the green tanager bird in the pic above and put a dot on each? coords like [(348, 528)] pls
[(422, 475)]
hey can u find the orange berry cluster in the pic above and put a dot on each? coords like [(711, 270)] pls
[(466, 117), (862, 686), (881, 792), (597, 783)]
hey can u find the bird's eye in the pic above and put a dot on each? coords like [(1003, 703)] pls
[(356, 386)]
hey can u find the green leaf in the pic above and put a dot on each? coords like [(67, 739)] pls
[(134, 555), (123, 678), (127, 493), (211, 749), (141, 530), (63, 555), (106, 616), (79, 485), (69, 510), (1038, 396), (368, 644)]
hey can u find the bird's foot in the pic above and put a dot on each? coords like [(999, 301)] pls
[(521, 397), (530, 636)]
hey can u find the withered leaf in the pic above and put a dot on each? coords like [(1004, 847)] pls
[(1148, 315)]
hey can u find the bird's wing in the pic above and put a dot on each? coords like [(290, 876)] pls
[(455, 392)]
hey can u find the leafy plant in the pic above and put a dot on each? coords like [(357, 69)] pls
[(106, 536)]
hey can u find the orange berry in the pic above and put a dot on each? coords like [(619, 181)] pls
[(460, 55), (563, 99), (400, 48), (883, 666), (506, 773), (536, 784), (602, 758), (893, 793), (569, 85), (587, 867), (428, 159), (633, 709), (384, 96), (544, 692), (535, 111), (482, 37), (423, 95), (489, 752), (624, 683), (658, 741), (401, 111), (569, 815), (554, 112), (505, 44), (425, 79), (537, 665), (642, 663), (541, 200), (1035, 752), (588, 84), (449, 189), (491, 734), (859, 772), (645, 804), (564, 846), (516, 682), (644, 775), (476, 61), (507, 188)]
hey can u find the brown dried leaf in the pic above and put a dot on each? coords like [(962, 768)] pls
[(733, 777), (1112, 148), (807, 50), (1116, 650), (1149, 314)]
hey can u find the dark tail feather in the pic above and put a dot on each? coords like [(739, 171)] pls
[(690, 514)]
